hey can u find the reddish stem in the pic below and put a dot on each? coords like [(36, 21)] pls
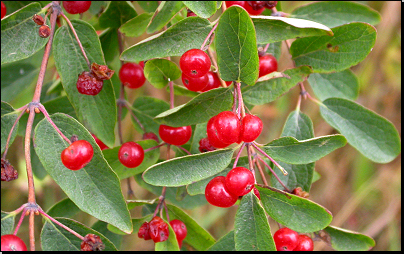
[(19, 222), (154, 147), (61, 225), (210, 33), (12, 129), (269, 157), (222, 83), (250, 161), (45, 113), (266, 47), (273, 173), (134, 116), (32, 231), (261, 172), (183, 149), (238, 155)]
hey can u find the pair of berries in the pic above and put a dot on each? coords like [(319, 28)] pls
[(253, 7), (12, 243), (289, 240), (226, 128), (76, 7), (91, 83), (195, 65), (132, 75), (175, 135), (224, 191), (77, 155)]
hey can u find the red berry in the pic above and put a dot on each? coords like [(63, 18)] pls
[(141, 63), (131, 154), (251, 127), (256, 192), (205, 146), (213, 81), (212, 135), (3, 10), (270, 4), (190, 13), (150, 135), (246, 7), (12, 243), (99, 143), (267, 64), (144, 231), (256, 5), (285, 239), (217, 194), (228, 127), (195, 84), (304, 243), (239, 181), (180, 230), (175, 135), (77, 155), (76, 7), (88, 84), (195, 63), (158, 230), (131, 75)]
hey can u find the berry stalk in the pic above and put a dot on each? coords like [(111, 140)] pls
[(270, 158), (12, 129)]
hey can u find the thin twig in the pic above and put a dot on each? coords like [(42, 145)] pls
[(273, 173), (183, 149), (261, 172), (134, 116), (207, 37), (222, 83), (61, 225), (19, 222), (45, 113), (12, 129), (269, 157), (32, 231), (238, 155), (250, 161), (154, 147)]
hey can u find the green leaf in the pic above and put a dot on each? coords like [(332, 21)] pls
[(136, 26), (149, 6), (185, 170), (8, 117), (342, 84), (371, 134), (150, 158), (171, 244), (165, 12), (64, 208), (15, 77), (98, 113), (56, 238), (346, 240), (19, 34), (197, 236), (37, 168), (135, 203), (271, 29), (350, 44), (336, 13), (109, 44), (116, 14), (266, 91), (95, 189), (162, 44), (7, 223), (204, 9), (226, 243), (296, 213), (181, 90), (251, 227), (102, 227), (145, 109), (274, 49), (236, 47), (198, 110), (189, 202), (290, 150), (187, 34), (161, 71), (299, 126)]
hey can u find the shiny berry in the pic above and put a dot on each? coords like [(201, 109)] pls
[(158, 230), (217, 194), (131, 75), (195, 84), (239, 181), (246, 7), (212, 135), (285, 239), (228, 127), (175, 135), (195, 63), (205, 146), (256, 192), (251, 127), (267, 64), (256, 5), (144, 231), (77, 155), (150, 135), (76, 7), (213, 81), (88, 84), (304, 243), (131, 154), (3, 10), (12, 243), (180, 230), (99, 143)]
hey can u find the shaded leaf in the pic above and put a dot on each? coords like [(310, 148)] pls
[(136, 26), (109, 44), (165, 12), (116, 14), (8, 117), (15, 77), (181, 90), (64, 208), (346, 240), (149, 6), (204, 9), (7, 223), (226, 243), (160, 71)]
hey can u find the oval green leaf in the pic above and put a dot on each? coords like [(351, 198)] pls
[(64, 208), (116, 14), (347, 240), (371, 134), (161, 71), (204, 9), (95, 189), (8, 117), (15, 77), (226, 243), (136, 26), (296, 213), (164, 13), (236, 47)]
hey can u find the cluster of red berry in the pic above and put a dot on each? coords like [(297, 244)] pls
[(289, 240), (253, 7), (157, 230), (12, 243)]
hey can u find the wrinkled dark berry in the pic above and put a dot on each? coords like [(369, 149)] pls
[(102, 72), (38, 19), (300, 192), (8, 173), (44, 31), (92, 242), (205, 146), (88, 84), (144, 231)]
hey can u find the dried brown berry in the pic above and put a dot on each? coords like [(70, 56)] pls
[(300, 192), (38, 19), (88, 84), (92, 242), (8, 173), (102, 72), (44, 31)]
